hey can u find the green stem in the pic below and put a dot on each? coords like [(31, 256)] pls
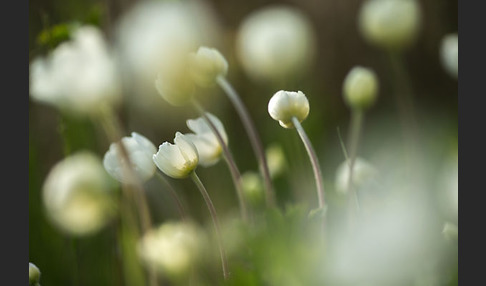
[(357, 118), (214, 217), (252, 134), (314, 161), (235, 173)]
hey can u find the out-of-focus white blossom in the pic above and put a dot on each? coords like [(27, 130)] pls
[(449, 53), (276, 160), (275, 43), (34, 275), (205, 140), (207, 64), (78, 76), (155, 37), (172, 248), (363, 173), (390, 24), (253, 188), (360, 88), (287, 104), (177, 160), (77, 194), (140, 151)]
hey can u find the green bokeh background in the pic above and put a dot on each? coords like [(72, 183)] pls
[(52, 135)]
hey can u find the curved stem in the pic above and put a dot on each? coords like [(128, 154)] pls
[(313, 159), (252, 134), (173, 194), (228, 157), (214, 216)]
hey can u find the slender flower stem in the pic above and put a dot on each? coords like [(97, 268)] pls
[(357, 117), (133, 191), (228, 157), (313, 158), (252, 134), (173, 194), (214, 216)]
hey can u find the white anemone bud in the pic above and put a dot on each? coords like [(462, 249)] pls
[(449, 53), (77, 194), (140, 151), (34, 275), (390, 24), (172, 248), (205, 140), (206, 65), (177, 160), (360, 88), (287, 104), (78, 76), (276, 43), (363, 173)]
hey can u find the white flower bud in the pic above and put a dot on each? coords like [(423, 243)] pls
[(363, 173), (360, 88), (177, 160), (287, 104), (206, 65), (77, 194), (172, 248), (78, 76), (140, 151), (205, 140), (34, 274), (390, 24), (276, 43), (449, 53)]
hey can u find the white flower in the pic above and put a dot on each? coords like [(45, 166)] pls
[(276, 160), (140, 151), (155, 36), (390, 24), (172, 248), (287, 104), (206, 65), (360, 87), (275, 43), (77, 194), (177, 160), (363, 173), (449, 53), (34, 274), (78, 76), (205, 140), (253, 187)]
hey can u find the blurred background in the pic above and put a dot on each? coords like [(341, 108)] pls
[(335, 46)]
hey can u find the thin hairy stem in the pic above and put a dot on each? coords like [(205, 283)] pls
[(214, 217), (314, 162), (228, 157), (252, 134)]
